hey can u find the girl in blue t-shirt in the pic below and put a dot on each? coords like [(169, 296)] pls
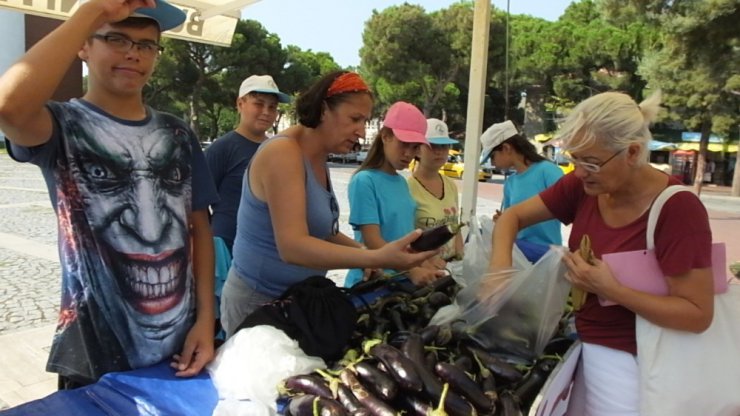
[(533, 174), (381, 206)]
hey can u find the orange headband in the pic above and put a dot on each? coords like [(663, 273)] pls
[(347, 82)]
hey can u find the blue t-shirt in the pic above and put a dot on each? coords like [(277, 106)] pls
[(227, 160), (123, 192), (257, 260), (377, 197), (521, 186)]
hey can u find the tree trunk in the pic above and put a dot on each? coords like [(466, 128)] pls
[(193, 106), (701, 160), (736, 176), (193, 116)]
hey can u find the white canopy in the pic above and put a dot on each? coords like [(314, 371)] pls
[(207, 21)]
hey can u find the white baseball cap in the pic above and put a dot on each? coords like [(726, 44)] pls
[(263, 84), (497, 134), (438, 133)]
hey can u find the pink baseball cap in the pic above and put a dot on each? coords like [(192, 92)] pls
[(407, 122)]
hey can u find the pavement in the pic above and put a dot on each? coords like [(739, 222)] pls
[(29, 267)]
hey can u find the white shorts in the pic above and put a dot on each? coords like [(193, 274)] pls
[(607, 383)]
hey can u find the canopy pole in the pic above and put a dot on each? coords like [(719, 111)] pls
[(476, 96)]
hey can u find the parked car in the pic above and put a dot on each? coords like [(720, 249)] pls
[(455, 167), (361, 156), (565, 165), (350, 157)]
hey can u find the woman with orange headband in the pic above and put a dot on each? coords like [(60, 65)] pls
[(288, 220)]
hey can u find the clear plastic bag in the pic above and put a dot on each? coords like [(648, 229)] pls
[(474, 266), (517, 311)]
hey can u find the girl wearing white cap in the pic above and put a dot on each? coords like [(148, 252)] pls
[(435, 194), (534, 173), (381, 206)]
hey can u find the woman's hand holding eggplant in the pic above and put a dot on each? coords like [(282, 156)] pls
[(397, 254), (596, 278)]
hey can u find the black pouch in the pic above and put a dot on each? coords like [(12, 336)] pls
[(314, 312)]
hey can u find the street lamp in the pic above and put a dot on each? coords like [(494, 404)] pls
[(523, 106)]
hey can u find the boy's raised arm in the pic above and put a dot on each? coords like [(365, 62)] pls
[(29, 83)]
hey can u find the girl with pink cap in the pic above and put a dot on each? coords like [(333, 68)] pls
[(381, 206)]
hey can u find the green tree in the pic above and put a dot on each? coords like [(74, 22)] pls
[(696, 66), (302, 69), (406, 56)]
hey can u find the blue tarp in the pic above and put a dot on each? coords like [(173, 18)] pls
[(152, 391)]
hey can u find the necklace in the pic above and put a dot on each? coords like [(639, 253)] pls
[(432, 193)]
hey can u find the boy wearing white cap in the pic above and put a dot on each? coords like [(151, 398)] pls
[(230, 154), (130, 188)]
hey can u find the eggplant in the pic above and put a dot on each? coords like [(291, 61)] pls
[(435, 237), (414, 405), (509, 405), (532, 383), (397, 365), (438, 299), (461, 383), (348, 400), (413, 349), (429, 334), (397, 320), (372, 403), (303, 405), (306, 384), (464, 362), (497, 366), (379, 381), (489, 387)]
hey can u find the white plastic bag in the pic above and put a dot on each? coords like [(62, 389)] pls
[(246, 369)]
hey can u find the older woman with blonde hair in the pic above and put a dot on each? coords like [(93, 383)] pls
[(608, 198)]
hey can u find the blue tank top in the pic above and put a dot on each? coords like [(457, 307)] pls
[(256, 258)]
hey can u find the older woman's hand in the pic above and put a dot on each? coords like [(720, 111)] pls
[(596, 278)]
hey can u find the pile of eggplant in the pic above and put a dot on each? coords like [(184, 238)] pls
[(398, 364)]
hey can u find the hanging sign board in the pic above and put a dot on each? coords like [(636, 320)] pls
[(216, 30)]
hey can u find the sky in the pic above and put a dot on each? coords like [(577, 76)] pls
[(335, 26)]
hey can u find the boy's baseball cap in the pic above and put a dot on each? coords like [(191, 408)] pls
[(437, 132), (263, 84), (497, 134), (407, 122), (166, 15)]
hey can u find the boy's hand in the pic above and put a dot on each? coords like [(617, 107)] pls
[(196, 352), (117, 10), (422, 276)]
